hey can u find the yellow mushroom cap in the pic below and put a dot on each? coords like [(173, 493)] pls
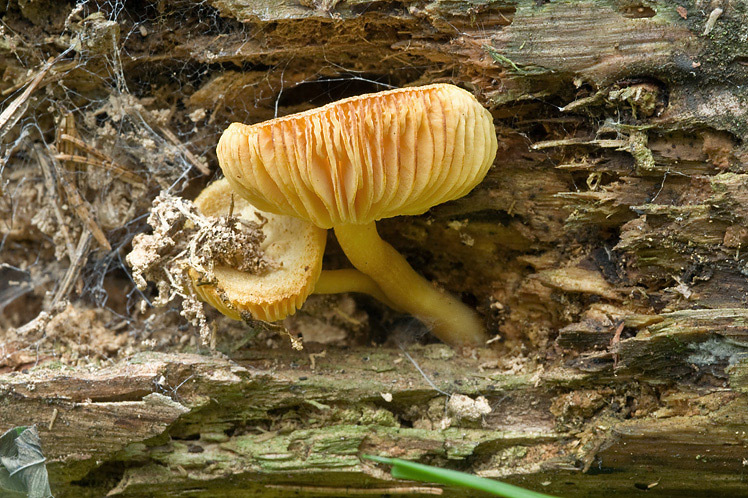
[(295, 246), (364, 158)]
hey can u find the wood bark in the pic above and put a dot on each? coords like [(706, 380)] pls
[(604, 249)]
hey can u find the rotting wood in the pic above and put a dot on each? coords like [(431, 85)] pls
[(181, 420), (606, 250)]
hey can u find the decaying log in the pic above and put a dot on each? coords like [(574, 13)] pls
[(270, 422), (604, 249)]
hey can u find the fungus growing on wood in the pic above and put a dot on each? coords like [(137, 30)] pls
[(293, 246), (350, 163)]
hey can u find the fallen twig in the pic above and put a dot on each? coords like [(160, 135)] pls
[(102, 160), (7, 115), (76, 265), (49, 183), (329, 490), (171, 137), (79, 204)]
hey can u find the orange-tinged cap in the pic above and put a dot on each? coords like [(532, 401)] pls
[(364, 158), (293, 245)]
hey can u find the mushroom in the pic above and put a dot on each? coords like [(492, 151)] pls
[(350, 163), (294, 247)]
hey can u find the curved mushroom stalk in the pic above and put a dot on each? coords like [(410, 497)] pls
[(350, 280), (449, 319)]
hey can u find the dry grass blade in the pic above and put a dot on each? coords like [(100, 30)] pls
[(102, 160), (126, 175), (66, 127), (79, 204), (7, 115), (49, 183), (56, 72), (76, 265), (171, 137), (331, 490)]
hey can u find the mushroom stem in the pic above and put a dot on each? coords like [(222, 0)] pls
[(350, 280), (449, 319)]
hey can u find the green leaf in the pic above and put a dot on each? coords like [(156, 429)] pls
[(22, 464), (403, 469)]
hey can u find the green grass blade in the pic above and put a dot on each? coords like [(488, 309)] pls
[(403, 469)]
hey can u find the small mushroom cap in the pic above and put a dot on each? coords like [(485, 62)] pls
[(295, 246), (364, 158)]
